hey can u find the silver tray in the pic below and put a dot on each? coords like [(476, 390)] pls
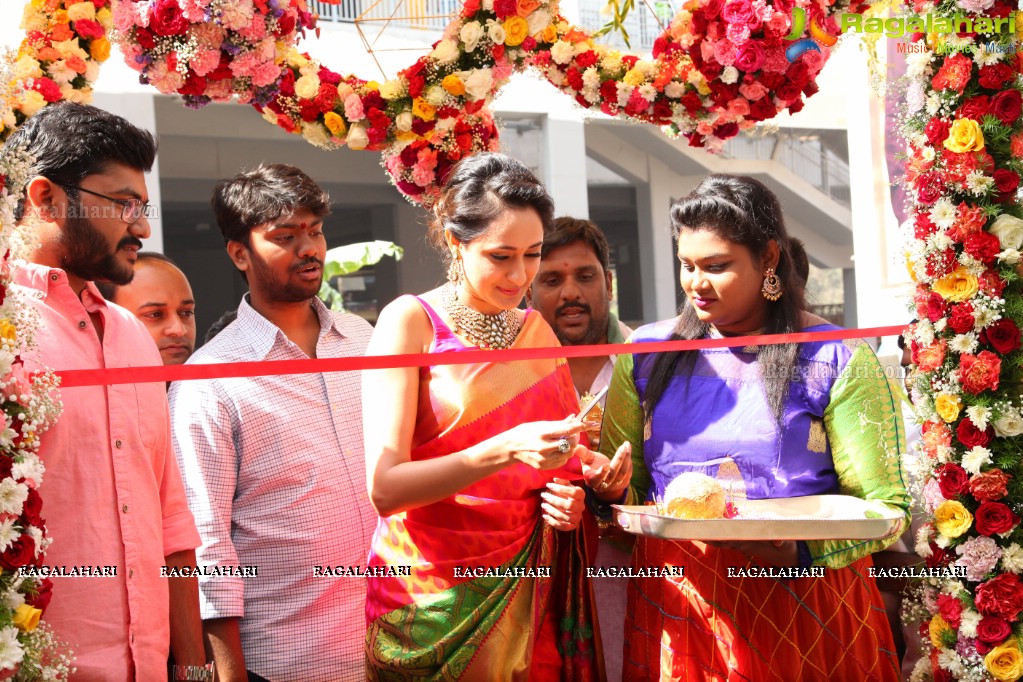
[(814, 517)]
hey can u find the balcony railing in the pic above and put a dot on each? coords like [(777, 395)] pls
[(803, 154), (431, 15)]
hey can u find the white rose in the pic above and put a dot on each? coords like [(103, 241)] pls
[(495, 32), (538, 21), (674, 90), (470, 35), (1009, 424), (1009, 231), (562, 52), (306, 87), (435, 95), (477, 83), (729, 75), (393, 89), (81, 10), (316, 134), (446, 123), (357, 137), (1009, 256), (403, 121), (91, 71), (445, 52)]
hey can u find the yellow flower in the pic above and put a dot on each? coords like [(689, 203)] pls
[(1005, 662), (948, 406), (297, 59), (335, 124), (958, 286), (952, 519), (105, 18), (8, 332), (99, 49), (634, 77), (453, 84), (59, 17), (937, 628), (82, 10), (550, 34), (31, 102), (965, 135), (26, 617), (372, 86), (422, 109), (515, 30)]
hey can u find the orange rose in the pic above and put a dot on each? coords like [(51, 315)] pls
[(930, 358), (453, 84), (935, 435), (527, 7), (60, 33), (979, 372), (77, 64)]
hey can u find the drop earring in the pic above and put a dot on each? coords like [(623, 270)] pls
[(771, 289), (455, 270)]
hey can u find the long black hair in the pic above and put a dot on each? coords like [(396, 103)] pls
[(743, 211)]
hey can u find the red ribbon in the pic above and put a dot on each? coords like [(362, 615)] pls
[(162, 373)]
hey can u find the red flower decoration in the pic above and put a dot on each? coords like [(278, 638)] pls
[(1000, 597), (952, 480), (1003, 336), (166, 18), (979, 373), (993, 518), (970, 436), (954, 73), (990, 485)]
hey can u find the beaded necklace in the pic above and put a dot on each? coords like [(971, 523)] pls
[(489, 332)]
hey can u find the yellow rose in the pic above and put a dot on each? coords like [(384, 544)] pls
[(31, 102), (550, 34), (297, 59), (937, 628), (965, 135), (634, 77), (515, 30), (99, 49), (59, 17), (423, 110), (958, 286), (453, 84), (8, 332), (307, 87), (26, 617), (948, 406), (1005, 662), (105, 18), (82, 10), (952, 519), (335, 124), (27, 67), (372, 86)]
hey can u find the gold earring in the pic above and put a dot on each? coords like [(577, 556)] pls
[(455, 269), (771, 288)]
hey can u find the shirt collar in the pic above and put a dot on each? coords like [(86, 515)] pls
[(614, 329), (43, 279), (263, 335)]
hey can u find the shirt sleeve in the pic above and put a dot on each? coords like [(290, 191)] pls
[(863, 422), (623, 421), (202, 425), (179, 531)]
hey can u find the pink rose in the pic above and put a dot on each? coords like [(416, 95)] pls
[(738, 107), (739, 12), (750, 57), (752, 91), (167, 19), (353, 108)]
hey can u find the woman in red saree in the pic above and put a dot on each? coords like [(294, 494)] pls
[(472, 466)]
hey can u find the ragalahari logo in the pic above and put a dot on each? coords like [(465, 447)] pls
[(818, 36)]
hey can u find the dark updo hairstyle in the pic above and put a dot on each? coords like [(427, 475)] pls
[(743, 211), (478, 190)]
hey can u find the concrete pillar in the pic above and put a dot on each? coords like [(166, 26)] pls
[(564, 165), (140, 110)]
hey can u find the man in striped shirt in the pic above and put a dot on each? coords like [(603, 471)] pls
[(273, 465)]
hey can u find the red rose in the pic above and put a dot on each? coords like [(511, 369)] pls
[(970, 436), (929, 304), (938, 557), (20, 553), (929, 187), (726, 130), (979, 372), (991, 283), (772, 80), (975, 108), (762, 109), (31, 509), (983, 246), (47, 88), (194, 85), (89, 29), (505, 8), (285, 25), (166, 19), (470, 7), (951, 609), (936, 131), (994, 76), (952, 480), (992, 630), (961, 319), (42, 596), (954, 73), (798, 73), (1000, 597), (1003, 336), (1006, 180), (990, 485), (993, 518), (789, 92), (1005, 106), (691, 101)]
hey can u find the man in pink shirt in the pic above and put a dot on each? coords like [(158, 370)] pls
[(115, 495)]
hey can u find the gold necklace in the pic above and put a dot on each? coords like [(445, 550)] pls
[(489, 332)]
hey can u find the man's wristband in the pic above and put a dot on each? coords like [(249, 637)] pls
[(199, 673)]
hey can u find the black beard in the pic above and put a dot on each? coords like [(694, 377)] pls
[(276, 291), (86, 256)]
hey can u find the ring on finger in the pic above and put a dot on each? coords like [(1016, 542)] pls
[(564, 445)]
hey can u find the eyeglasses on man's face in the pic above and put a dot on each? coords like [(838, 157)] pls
[(131, 209)]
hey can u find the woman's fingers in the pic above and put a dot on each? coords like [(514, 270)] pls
[(563, 504)]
